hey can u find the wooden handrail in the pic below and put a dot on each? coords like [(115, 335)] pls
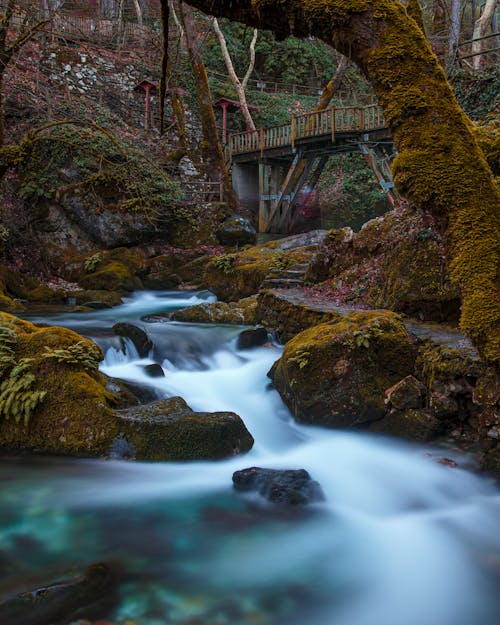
[(306, 125)]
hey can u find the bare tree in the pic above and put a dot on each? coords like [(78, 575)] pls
[(480, 29), (238, 85), (454, 33)]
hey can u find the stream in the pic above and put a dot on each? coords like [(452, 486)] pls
[(400, 540)]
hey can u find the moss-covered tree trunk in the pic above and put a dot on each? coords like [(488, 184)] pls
[(440, 167)]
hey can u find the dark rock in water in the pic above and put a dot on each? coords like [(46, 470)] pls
[(236, 230), (154, 370), (62, 601), (290, 487), (137, 335), (97, 305), (121, 449), (254, 337), (169, 430)]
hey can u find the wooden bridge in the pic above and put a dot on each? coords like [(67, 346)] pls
[(279, 160)]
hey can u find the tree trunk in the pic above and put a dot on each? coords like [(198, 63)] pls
[(454, 34), (439, 168), (138, 10), (328, 92), (211, 148), (480, 28), (234, 78)]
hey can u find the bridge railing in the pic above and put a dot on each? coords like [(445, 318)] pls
[(307, 125)]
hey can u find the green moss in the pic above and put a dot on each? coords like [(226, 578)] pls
[(114, 276), (248, 269), (327, 376), (243, 312), (75, 415)]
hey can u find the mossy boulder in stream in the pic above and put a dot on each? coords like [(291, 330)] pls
[(242, 312), (168, 429), (54, 400), (53, 397), (335, 374)]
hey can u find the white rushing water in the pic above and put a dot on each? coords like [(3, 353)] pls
[(400, 540)]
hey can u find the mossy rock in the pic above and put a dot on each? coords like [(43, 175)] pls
[(235, 276), (75, 416), (108, 298), (288, 313), (242, 312), (413, 279), (335, 374), (413, 424), (7, 304), (113, 276), (169, 430)]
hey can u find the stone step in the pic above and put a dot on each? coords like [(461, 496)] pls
[(276, 283), (287, 272)]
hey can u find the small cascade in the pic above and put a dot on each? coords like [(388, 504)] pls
[(400, 539)]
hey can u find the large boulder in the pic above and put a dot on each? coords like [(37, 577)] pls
[(242, 312), (290, 487), (169, 430), (395, 261), (289, 311), (236, 230), (335, 374), (54, 400)]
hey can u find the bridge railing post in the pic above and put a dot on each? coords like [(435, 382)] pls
[(332, 122), (293, 130)]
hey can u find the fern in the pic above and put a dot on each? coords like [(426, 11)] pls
[(91, 262), (8, 341), (224, 263), (80, 354), (18, 400)]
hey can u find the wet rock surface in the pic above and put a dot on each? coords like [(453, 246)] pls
[(287, 487), (62, 601), (137, 335), (254, 337), (168, 429)]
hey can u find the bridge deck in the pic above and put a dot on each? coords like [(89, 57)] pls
[(322, 129)]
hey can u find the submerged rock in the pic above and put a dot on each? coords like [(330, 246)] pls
[(62, 601), (168, 429), (335, 374), (154, 370), (290, 487)]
